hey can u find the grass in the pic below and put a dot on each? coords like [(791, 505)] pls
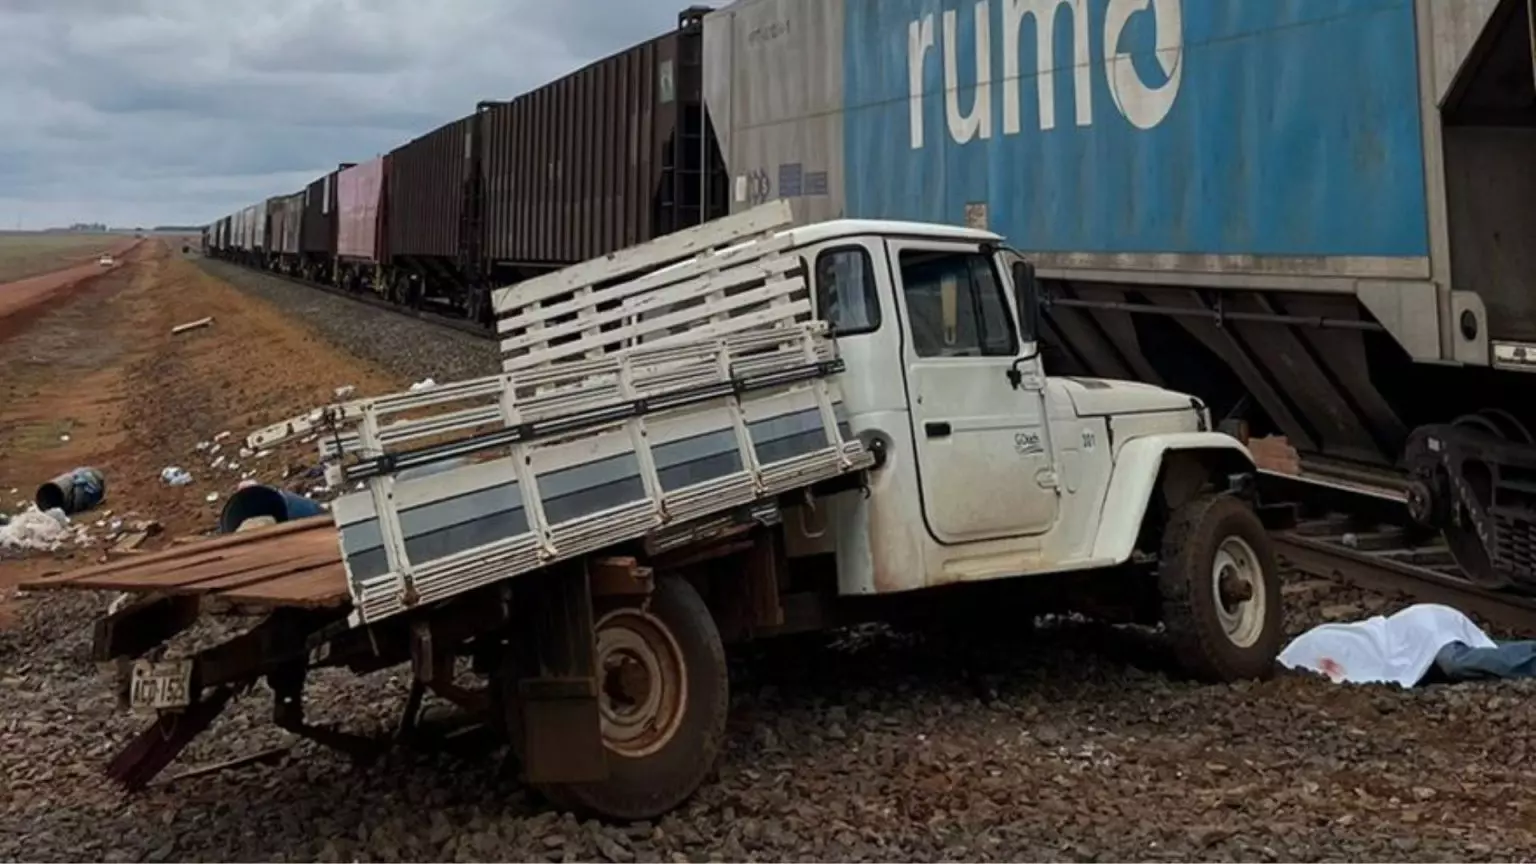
[(23, 255)]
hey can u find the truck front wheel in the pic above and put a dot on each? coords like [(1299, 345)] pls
[(1220, 590), (663, 697)]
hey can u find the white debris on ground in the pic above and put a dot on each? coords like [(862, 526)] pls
[(175, 476), (43, 531), (424, 384)]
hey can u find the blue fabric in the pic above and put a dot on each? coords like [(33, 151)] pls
[(1460, 662)]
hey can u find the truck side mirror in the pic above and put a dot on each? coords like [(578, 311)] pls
[(1026, 298)]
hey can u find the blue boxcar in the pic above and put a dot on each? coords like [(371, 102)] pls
[(1208, 127), (1268, 127)]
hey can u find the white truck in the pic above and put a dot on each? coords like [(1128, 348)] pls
[(734, 432)]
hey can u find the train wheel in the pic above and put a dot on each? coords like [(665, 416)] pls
[(1221, 590), (1477, 478), (663, 702)]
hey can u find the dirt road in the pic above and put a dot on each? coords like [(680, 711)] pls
[(24, 295), (24, 255), (95, 377)]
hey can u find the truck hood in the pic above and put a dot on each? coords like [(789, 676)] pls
[(1102, 397)]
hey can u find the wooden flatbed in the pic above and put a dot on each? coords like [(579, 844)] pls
[(291, 564)]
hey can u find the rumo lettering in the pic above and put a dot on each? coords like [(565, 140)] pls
[(1144, 105)]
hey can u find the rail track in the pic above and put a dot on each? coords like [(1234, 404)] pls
[(1360, 534), (437, 319)]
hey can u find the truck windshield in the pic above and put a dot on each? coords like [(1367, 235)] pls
[(956, 305)]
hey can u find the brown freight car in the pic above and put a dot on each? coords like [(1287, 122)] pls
[(614, 154), (317, 237), (426, 189)]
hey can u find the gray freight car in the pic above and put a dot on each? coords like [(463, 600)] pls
[(1315, 216), (285, 214)]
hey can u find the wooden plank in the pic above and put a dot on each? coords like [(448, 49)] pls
[(731, 326), (750, 259), (634, 306), (177, 556), (663, 250), (589, 384), (540, 352), (235, 571), (265, 573), (324, 586)]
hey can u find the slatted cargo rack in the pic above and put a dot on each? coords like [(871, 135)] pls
[(662, 384)]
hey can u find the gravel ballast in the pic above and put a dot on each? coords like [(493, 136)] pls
[(1070, 741), (1070, 744), (402, 344)]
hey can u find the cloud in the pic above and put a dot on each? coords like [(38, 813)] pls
[(143, 112)]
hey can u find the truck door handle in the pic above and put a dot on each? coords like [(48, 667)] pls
[(937, 430)]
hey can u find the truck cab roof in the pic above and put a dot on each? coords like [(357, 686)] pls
[(832, 229)]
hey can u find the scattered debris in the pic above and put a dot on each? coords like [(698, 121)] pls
[(174, 476), (255, 522), (264, 757), (38, 530), (130, 542), (191, 325), (424, 384), (64, 437), (221, 436), (345, 391), (211, 497)]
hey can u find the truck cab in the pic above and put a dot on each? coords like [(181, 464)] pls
[(989, 468)]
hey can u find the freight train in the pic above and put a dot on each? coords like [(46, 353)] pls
[(1318, 216), (615, 154)]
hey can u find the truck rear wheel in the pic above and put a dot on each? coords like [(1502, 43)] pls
[(664, 694), (1221, 590)]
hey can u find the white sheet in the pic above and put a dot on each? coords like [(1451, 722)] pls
[(1397, 649)]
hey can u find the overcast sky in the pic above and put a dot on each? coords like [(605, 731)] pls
[(146, 112)]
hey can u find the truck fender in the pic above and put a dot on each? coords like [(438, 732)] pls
[(1133, 482)]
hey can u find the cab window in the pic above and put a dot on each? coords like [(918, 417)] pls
[(956, 305), (845, 291)]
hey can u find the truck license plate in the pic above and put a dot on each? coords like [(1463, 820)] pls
[(164, 686)]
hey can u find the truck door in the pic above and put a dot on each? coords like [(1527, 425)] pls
[(983, 453)]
